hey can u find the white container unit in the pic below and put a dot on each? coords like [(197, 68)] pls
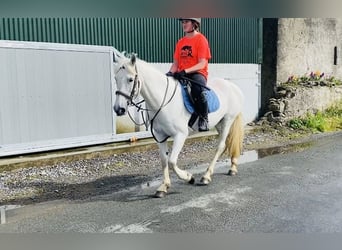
[(55, 96)]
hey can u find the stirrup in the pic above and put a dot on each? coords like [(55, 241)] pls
[(203, 125)]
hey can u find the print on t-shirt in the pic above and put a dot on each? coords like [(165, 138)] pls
[(186, 51)]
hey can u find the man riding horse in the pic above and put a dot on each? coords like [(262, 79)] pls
[(191, 57)]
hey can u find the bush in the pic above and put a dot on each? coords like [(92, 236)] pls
[(296, 123)]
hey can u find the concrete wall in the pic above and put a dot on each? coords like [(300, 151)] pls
[(307, 44)]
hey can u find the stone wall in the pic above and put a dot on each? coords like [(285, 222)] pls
[(291, 102)]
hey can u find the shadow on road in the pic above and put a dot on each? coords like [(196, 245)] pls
[(49, 191)]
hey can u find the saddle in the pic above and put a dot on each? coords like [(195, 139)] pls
[(212, 99)]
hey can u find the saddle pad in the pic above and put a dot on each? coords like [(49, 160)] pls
[(213, 101)]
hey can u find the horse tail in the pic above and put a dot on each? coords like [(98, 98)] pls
[(234, 139)]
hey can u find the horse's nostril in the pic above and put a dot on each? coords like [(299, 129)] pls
[(121, 111)]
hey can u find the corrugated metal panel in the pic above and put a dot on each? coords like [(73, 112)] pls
[(232, 40)]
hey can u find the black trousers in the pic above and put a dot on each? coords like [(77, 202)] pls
[(196, 89)]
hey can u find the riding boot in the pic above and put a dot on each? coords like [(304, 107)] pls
[(202, 106)]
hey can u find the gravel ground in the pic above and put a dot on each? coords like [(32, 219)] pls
[(86, 178)]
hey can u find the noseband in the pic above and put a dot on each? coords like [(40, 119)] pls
[(130, 96)]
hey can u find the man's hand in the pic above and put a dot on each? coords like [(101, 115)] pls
[(179, 75), (169, 73)]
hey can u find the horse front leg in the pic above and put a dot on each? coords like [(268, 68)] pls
[(163, 152), (177, 146)]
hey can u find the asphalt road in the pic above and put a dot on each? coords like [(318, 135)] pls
[(293, 192)]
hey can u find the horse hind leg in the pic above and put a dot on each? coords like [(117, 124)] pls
[(222, 129), (230, 141), (234, 143), (206, 178)]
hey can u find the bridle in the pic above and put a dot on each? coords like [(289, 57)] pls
[(135, 89), (134, 93)]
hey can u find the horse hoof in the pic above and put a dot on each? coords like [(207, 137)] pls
[(160, 194), (192, 181), (205, 181), (232, 173)]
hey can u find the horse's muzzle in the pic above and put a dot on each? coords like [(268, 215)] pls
[(119, 111)]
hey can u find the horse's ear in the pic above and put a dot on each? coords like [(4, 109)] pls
[(117, 55), (133, 58)]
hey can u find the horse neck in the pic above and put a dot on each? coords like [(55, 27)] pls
[(154, 84)]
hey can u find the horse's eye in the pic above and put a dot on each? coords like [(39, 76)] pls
[(130, 79)]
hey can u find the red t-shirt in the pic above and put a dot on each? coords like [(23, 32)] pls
[(189, 50)]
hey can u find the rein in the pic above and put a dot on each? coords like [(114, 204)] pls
[(161, 106), (130, 97)]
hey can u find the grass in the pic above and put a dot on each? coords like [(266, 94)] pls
[(329, 120), (326, 121)]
